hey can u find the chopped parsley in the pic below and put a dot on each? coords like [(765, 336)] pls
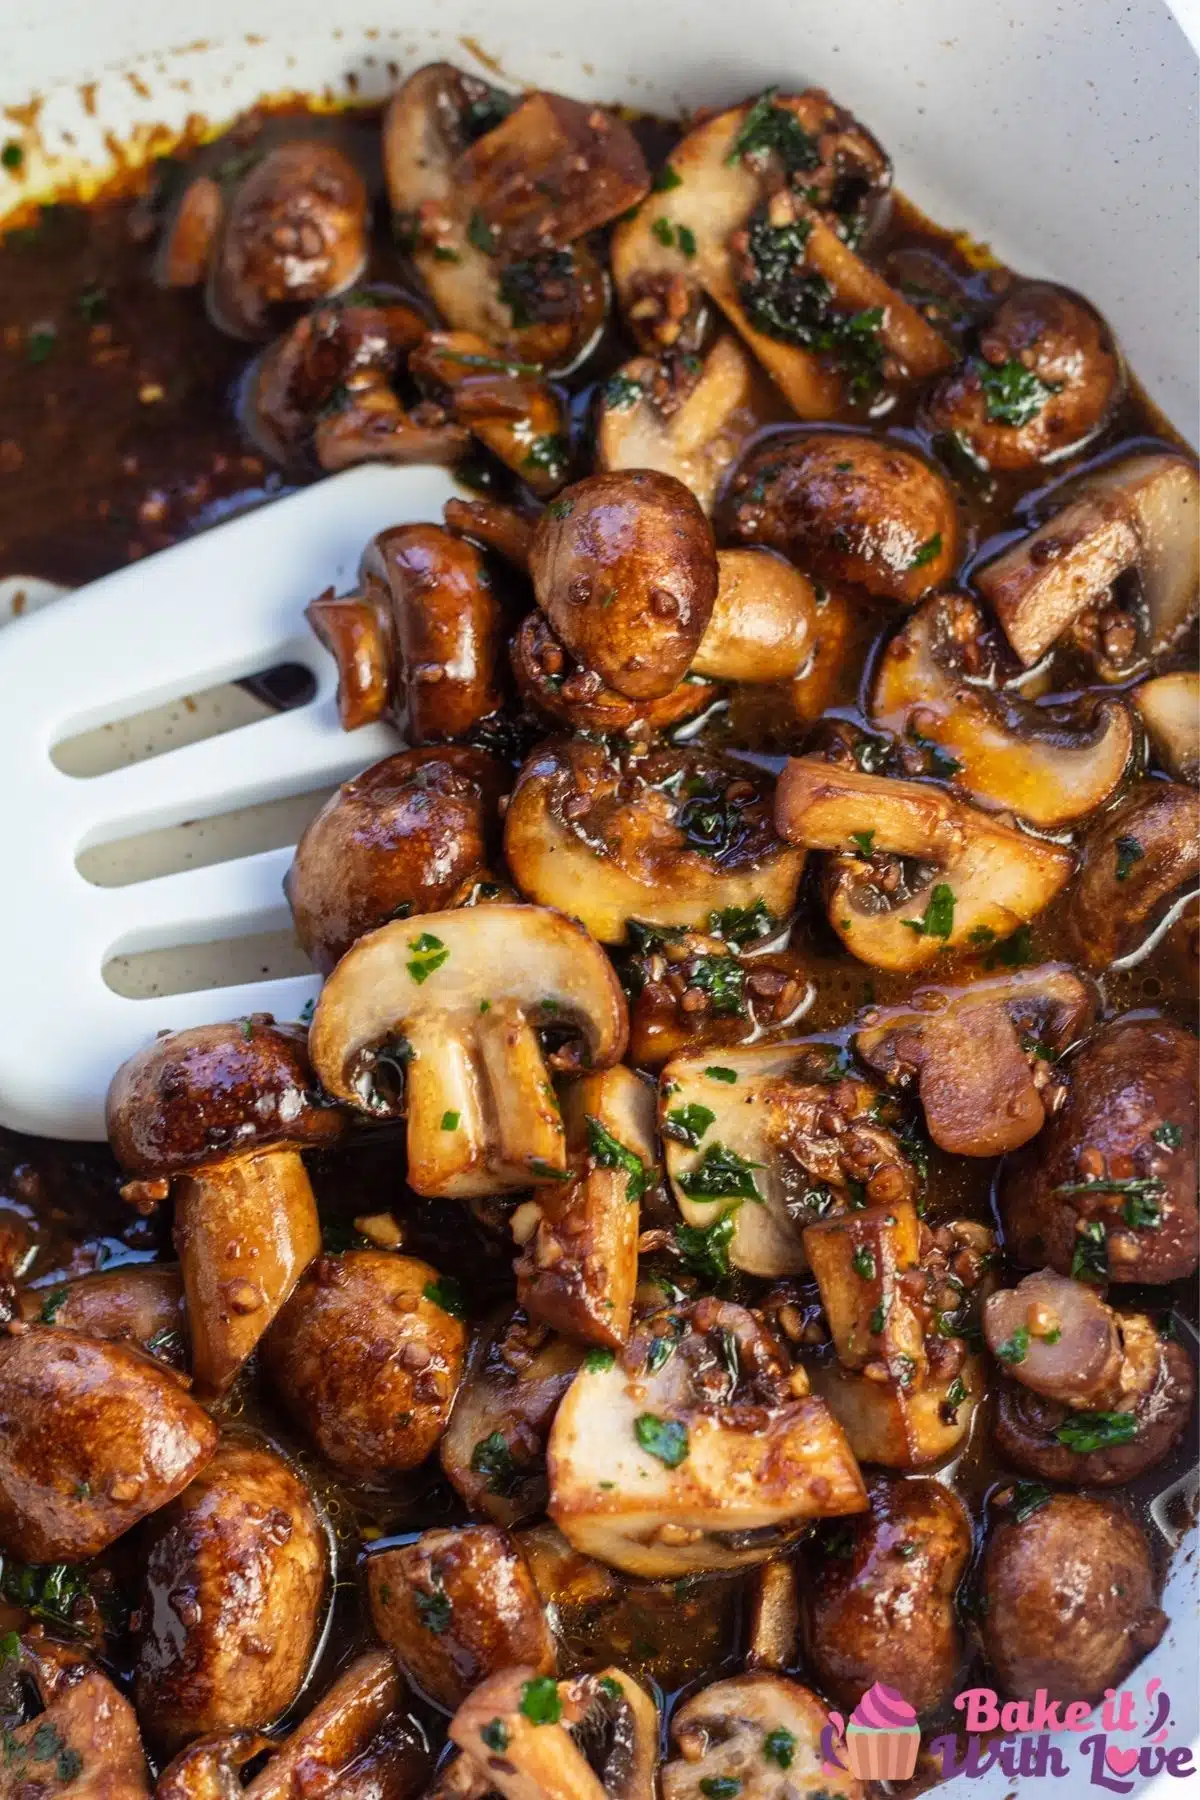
[(688, 1124), (495, 1734), (492, 1458), (927, 551), (938, 918), (779, 1747), (52, 1305), (597, 1360), (666, 179), (540, 1702), (666, 1439), (723, 979), (1013, 394), (12, 156), (1090, 1259), (446, 1293), (1017, 951), (1016, 1348), (720, 1787), (879, 1316), (611, 1154), (50, 1591), (562, 508), (1143, 1186), (1028, 1497), (956, 1395), (797, 307), (863, 841), (611, 1687), (1168, 1135), (718, 1072), (434, 1610), (428, 954), (450, 1121), (768, 129), (1142, 1212), (742, 924), (10, 1648), (480, 233), (621, 392), (39, 345), (704, 1249), (548, 454), (1129, 851), (721, 1174), (1097, 1431), (864, 1263)]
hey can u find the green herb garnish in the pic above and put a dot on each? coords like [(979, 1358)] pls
[(1090, 1259), (927, 551), (434, 1610), (704, 1249), (718, 1072), (1097, 1431), (769, 129), (1016, 1348), (446, 1293), (597, 1360), (621, 392), (611, 1154), (1013, 394), (938, 918), (1028, 1497), (428, 954), (1129, 851), (688, 1124), (666, 1439), (721, 1175)]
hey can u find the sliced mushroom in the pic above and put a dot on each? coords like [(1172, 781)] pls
[(577, 1271), (494, 1449), (140, 1304), (846, 507), (758, 1735), (1107, 1192), (84, 1744), (680, 415), (420, 641), (592, 1737), (1136, 860), (981, 1054), (1008, 753), (93, 1437), (546, 301), (551, 682), (625, 569), (698, 1448), (367, 1357), (770, 1137), (210, 1767), (966, 879), (1136, 515), (456, 1000), (235, 1577), (1169, 708), (726, 225), (295, 230), (764, 620), (411, 834), (670, 837), (1096, 1427), (455, 1606), (879, 1596), (508, 406), (1045, 381), (220, 1114), (904, 1391), (358, 1740)]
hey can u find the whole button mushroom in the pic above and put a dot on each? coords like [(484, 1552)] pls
[(1070, 1599), (140, 1304), (93, 1437), (455, 1002), (411, 834), (295, 230), (235, 1578), (625, 568), (420, 640), (218, 1116), (1137, 859), (367, 1359)]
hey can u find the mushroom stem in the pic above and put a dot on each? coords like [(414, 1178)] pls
[(245, 1231)]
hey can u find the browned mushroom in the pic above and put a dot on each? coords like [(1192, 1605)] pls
[(367, 1356), (1046, 379), (760, 1731), (1107, 1192), (982, 1054), (235, 1578), (774, 1615), (671, 837), (1137, 515), (1169, 708), (494, 1450), (295, 230), (550, 682), (505, 529), (594, 1737), (412, 834), (1136, 861), (878, 1601), (359, 1741), (913, 872), (139, 1304), (219, 1115), (458, 1605), (420, 641), (93, 1437), (847, 507), (764, 622), (680, 415), (625, 569), (507, 405), (187, 244), (698, 1448), (85, 1744), (695, 987), (577, 1271), (934, 686)]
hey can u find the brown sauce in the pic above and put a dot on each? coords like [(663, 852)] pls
[(119, 435)]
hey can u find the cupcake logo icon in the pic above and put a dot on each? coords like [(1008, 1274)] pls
[(879, 1744)]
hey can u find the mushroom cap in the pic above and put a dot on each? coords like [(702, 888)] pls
[(1136, 859), (1072, 1348), (1169, 707), (550, 683), (625, 568), (728, 1726), (202, 1096), (847, 507), (402, 837), (448, 963)]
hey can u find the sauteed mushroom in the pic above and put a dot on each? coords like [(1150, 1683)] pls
[(506, 405), (551, 682), (594, 1737), (1169, 708), (140, 1304), (758, 1731), (680, 415), (1136, 860)]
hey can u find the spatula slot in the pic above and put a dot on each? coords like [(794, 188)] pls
[(200, 843), (262, 957)]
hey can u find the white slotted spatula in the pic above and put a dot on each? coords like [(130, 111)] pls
[(225, 604)]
